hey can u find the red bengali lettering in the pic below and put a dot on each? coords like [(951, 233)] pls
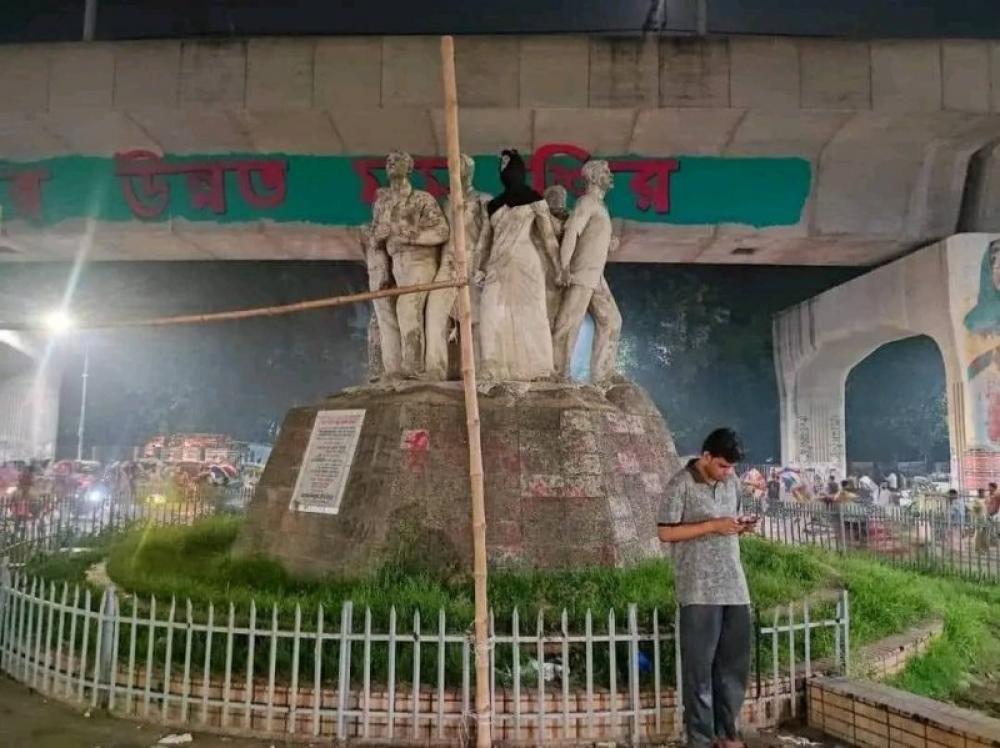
[(26, 190), (542, 167), (366, 168), (650, 182), (426, 167), (207, 186), (149, 171), (273, 175), (143, 177)]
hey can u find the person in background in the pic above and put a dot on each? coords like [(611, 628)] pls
[(956, 507), (893, 481), (888, 496), (956, 518), (867, 490), (773, 487), (845, 495), (832, 487), (984, 531), (993, 505)]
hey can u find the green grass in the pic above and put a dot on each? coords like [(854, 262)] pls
[(196, 563)]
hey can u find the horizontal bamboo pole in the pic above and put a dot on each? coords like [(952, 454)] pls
[(265, 311)]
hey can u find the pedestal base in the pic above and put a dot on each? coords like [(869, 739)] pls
[(573, 477)]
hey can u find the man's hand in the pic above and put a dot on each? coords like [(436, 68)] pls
[(748, 524), (727, 526)]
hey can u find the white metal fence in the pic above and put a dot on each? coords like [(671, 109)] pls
[(280, 671), (966, 543), (294, 671)]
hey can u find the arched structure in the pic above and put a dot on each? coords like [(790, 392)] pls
[(931, 292)]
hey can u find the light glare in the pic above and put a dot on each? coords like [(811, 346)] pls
[(58, 322)]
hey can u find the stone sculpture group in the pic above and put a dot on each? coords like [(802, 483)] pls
[(536, 270)]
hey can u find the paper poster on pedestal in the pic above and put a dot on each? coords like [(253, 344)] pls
[(326, 465)]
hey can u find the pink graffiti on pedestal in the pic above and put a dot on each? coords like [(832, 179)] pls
[(415, 443), (143, 176)]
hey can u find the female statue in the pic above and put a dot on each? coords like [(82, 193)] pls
[(515, 337)]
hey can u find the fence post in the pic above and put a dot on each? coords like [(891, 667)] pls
[(107, 635), (344, 679), (5, 585), (847, 635), (633, 671), (842, 532)]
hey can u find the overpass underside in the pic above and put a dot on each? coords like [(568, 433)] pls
[(743, 150)]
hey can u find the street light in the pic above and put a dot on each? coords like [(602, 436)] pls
[(59, 322)]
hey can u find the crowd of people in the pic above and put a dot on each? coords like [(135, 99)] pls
[(891, 490)]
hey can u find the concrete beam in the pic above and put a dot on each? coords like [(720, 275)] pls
[(836, 74), (554, 71), (624, 72), (213, 74), (906, 76), (694, 73), (764, 73)]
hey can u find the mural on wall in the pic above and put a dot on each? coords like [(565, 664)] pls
[(338, 190), (982, 325)]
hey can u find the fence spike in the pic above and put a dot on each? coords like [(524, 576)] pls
[(293, 693), (540, 655), (318, 670), (271, 668)]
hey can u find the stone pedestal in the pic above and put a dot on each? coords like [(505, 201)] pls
[(573, 477)]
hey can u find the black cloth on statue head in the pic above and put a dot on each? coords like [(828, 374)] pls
[(515, 188)]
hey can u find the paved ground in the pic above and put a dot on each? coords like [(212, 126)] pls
[(29, 720)]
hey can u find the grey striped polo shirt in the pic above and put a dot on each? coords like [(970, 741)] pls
[(707, 570)]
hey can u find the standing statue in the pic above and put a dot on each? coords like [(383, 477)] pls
[(441, 307), (515, 338), (586, 243), (383, 332), (555, 198), (409, 224)]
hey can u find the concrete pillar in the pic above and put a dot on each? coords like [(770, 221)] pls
[(29, 401)]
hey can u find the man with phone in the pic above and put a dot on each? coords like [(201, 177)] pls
[(700, 516)]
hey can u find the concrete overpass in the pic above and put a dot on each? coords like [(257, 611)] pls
[(947, 291), (747, 150)]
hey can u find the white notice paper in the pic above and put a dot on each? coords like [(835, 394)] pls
[(327, 461)]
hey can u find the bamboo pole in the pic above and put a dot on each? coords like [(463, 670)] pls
[(483, 706), (264, 311)]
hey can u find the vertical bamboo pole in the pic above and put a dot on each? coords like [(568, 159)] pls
[(483, 712)]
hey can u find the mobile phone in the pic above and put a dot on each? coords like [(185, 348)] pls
[(748, 519)]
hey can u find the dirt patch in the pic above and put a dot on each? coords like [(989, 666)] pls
[(29, 720)]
